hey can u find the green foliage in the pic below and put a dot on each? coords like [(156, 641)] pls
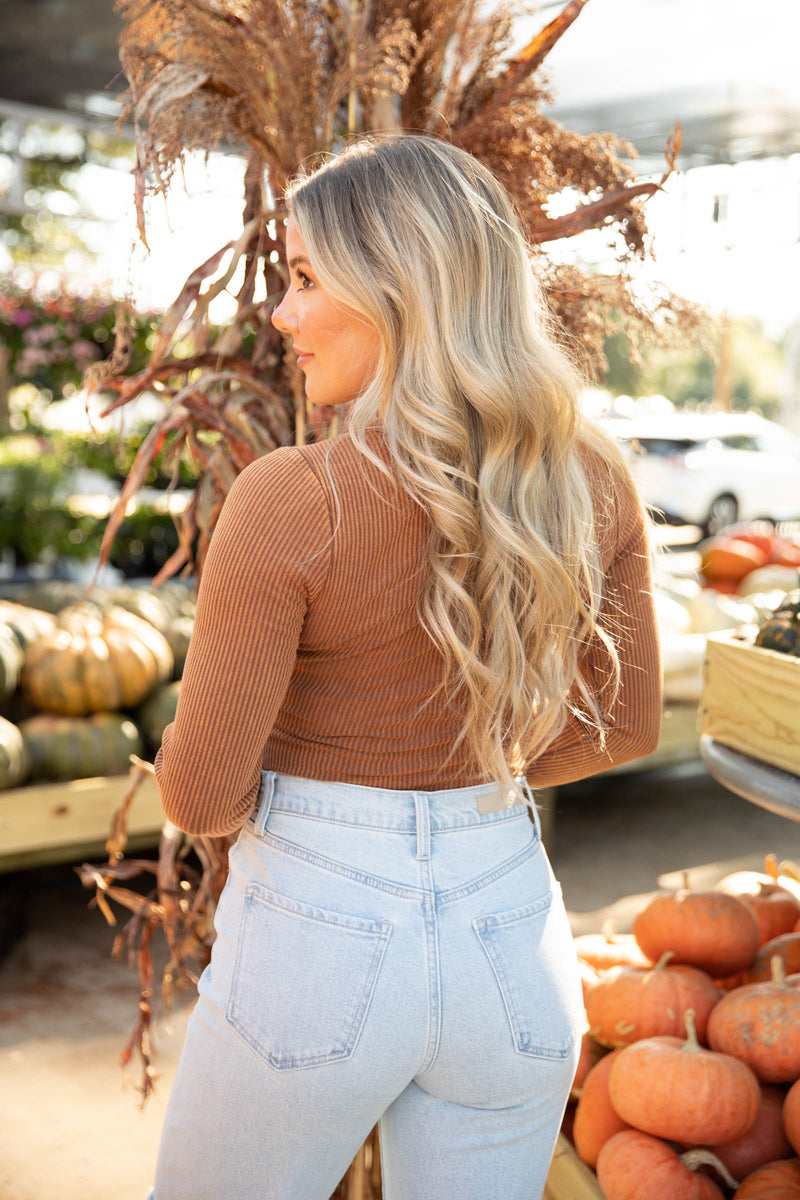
[(113, 456), (37, 522), (50, 340), (686, 374)]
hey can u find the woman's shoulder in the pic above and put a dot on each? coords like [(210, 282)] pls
[(275, 487), (298, 468)]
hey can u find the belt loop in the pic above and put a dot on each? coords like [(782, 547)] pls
[(264, 801), (423, 823)]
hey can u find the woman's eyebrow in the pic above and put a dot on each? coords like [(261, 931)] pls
[(298, 259)]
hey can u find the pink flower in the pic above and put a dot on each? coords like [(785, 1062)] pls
[(23, 317)]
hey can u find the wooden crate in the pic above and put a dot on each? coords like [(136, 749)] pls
[(569, 1178), (64, 822), (751, 700)]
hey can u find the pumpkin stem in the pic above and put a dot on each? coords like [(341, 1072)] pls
[(685, 881), (662, 962), (699, 1157), (609, 929), (778, 970), (788, 868), (691, 1044)]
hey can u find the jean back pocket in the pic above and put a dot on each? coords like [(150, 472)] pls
[(303, 979), (531, 954)]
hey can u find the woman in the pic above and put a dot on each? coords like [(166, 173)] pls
[(393, 628)]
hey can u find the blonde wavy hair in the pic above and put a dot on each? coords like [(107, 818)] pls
[(479, 409)]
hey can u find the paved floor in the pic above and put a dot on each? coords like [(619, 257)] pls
[(70, 1128)]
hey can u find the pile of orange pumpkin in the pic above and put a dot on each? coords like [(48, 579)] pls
[(752, 552), (688, 1086)]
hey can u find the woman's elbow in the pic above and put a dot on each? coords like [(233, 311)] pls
[(650, 739), (194, 815)]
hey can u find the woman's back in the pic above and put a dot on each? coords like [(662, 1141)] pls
[(326, 567)]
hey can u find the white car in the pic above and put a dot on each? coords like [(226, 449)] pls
[(712, 469)]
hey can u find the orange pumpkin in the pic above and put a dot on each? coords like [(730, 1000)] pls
[(775, 1181), (590, 1053), (776, 909), (765, 1140), (758, 533), (632, 1165), (596, 1119), (730, 559), (760, 1024), (791, 1116), (707, 929), (680, 1091), (631, 1003), (787, 946), (611, 949), (588, 975), (786, 555)]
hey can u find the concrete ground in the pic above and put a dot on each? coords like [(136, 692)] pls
[(70, 1127)]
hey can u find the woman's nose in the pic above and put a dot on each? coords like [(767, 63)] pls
[(282, 318)]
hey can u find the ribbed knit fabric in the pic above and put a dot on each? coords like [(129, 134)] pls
[(308, 658)]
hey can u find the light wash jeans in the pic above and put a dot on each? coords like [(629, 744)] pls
[(380, 955)]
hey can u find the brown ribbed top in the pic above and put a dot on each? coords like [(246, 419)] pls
[(308, 658)]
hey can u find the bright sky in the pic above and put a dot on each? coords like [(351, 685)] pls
[(618, 49)]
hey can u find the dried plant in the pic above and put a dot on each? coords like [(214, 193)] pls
[(280, 81)]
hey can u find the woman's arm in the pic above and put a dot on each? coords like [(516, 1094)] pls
[(628, 614), (267, 557)]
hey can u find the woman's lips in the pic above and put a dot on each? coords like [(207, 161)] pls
[(303, 356)]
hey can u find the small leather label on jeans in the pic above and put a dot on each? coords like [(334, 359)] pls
[(494, 801)]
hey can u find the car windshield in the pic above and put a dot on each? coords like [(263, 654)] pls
[(661, 447)]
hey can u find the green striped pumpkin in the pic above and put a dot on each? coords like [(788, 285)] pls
[(781, 629), (79, 747), (12, 658), (13, 756)]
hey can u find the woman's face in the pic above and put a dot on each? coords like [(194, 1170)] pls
[(337, 350)]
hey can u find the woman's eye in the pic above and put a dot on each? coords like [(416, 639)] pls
[(304, 281)]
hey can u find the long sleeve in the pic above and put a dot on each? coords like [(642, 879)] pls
[(268, 556), (628, 615)]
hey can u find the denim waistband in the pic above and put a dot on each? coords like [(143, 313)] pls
[(403, 811)]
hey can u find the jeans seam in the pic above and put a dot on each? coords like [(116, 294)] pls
[(498, 818), (429, 908), (336, 868), (482, 881)]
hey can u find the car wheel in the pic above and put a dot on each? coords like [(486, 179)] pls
[(723, 511)]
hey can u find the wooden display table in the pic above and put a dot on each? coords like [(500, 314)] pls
[(66, 822)]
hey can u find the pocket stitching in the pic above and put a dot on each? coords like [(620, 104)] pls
[(486, 925), (377, 931)]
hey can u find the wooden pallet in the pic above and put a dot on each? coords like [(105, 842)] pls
[(569, 1178), (64, 822)]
